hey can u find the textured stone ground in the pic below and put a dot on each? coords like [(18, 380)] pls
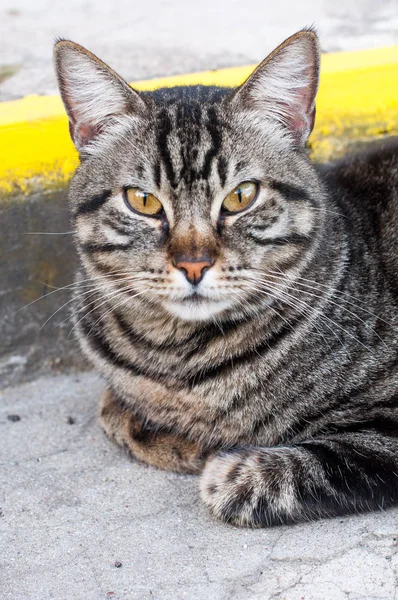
[(163, 37), (73, 506)]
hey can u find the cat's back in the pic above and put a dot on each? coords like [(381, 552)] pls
[(367, 179), (365, 187)]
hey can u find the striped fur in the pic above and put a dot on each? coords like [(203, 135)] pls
[(276, 375)]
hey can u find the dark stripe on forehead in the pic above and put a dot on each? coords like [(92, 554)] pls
[(164, 128), (289, 191), (215, 134), (222, 168), (93, 204), (189, 114), (189, 126)]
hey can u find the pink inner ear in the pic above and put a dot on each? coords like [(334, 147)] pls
[(301, 125), (311, 119), (299, 115), (298, 119), (82, 133), (297, 124)]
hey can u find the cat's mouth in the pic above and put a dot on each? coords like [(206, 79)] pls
[(194, 298), (196, 307)]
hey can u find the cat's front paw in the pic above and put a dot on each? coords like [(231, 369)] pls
[(227, 489), (146, 442), (249, 487)]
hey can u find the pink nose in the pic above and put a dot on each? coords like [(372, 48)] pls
[(194, 269)]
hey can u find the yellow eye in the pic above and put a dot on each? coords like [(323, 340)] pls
[(240, 197), (142, 202)]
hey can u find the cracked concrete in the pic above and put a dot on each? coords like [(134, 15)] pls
[(72, 505)]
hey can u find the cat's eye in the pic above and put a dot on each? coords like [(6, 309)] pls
[(142, 202), (241, 197)]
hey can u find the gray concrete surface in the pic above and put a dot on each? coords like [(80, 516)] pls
[(73, 506), (144, 39)]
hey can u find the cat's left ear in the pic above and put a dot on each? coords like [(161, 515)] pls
[(91, 92), (284, 85)]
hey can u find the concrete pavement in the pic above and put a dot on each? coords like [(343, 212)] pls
[(74, 506)]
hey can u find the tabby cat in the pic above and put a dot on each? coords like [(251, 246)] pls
[(240, 303)]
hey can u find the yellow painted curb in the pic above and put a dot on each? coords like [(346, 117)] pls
[(357, 100)]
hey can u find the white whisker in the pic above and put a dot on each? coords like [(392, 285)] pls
[(329, 300), (323, 317), (47, 232)]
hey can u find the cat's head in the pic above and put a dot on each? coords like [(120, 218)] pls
[(186, 199)]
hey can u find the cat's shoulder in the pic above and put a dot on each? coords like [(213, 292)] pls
[(365, 188), (371, 171)]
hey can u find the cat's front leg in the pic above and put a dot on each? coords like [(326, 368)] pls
[(147, 443), (325, 477)]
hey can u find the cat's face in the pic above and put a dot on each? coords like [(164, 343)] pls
[(187, 198)]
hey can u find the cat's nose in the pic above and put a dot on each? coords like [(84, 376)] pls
[(194, 268)]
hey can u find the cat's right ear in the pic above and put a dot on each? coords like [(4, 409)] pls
[(91, 92), (284, 86)]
